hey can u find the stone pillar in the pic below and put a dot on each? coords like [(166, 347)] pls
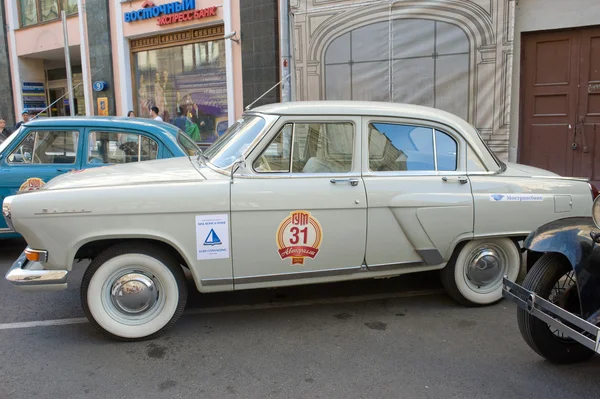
[(101, 63), (7, 108)]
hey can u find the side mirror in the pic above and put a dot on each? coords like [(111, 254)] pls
[(239, 163)]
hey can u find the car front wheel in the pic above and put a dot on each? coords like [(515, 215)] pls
[(133, 291), (473, 276)]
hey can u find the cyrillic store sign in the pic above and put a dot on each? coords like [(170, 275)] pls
[(165, 14)]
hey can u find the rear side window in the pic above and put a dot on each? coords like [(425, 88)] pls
[(399, 147)]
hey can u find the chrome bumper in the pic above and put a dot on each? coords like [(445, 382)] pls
[(32, 276), (553, 315)]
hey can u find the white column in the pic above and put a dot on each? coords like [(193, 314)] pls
[(84, 59), (12, 19), (229, 62), (125, 79)]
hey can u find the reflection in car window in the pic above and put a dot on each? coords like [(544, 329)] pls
[(235, 141), (9, 140), (46, 147), (114, 148), (317, 148), (395, 147)]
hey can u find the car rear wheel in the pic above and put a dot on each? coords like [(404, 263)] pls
[(133, 291), (552, 278), (473, 276)]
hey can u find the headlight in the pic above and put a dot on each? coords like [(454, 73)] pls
[(6, 212), (596, 211)]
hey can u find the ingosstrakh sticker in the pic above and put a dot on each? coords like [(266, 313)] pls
[(299, 236)]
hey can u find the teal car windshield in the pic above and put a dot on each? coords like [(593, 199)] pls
[(235, 141), (9, 140)]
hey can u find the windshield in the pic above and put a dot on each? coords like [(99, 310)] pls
[(235, 141), (9, 140), (186, 144)]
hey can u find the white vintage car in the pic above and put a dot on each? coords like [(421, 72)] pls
[(292, 193)]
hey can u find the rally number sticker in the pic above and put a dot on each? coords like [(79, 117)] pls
[(299, 236)]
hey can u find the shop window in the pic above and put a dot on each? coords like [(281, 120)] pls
[(113, 148), (406, 61), (188, 85), (37, 11), (49, 147)]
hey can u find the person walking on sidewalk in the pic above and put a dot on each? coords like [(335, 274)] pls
[(4, 132), (154, 114), (25, 116)]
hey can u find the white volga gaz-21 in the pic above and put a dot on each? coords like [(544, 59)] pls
[(292, 193)]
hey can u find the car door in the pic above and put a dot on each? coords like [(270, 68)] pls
[(106, 146), (420, 201), (37, 157), (298, 212)]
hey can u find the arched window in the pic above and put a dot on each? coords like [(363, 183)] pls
[(412, 61)]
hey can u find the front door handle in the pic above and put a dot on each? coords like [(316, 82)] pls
[(353, 182), (460, 179), (64, 169)]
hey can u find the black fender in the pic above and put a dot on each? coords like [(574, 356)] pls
[(572, 238)]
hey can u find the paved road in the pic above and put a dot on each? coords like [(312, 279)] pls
[(308, 342)]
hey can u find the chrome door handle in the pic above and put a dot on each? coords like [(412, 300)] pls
[(460, 179), (353, 182)]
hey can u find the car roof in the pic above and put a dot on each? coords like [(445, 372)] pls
[(382, 109), (106, 121)]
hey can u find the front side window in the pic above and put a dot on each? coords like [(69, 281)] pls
[(398, 147), (114, 148), (309, 148), (46, 147)]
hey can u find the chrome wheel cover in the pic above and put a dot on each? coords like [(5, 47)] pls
[(485, 267)]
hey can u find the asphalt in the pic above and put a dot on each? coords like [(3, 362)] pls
[(321, 341)]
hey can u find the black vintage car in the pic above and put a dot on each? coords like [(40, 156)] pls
[(559, 301)]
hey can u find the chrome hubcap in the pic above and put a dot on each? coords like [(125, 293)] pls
[(134, 293), (485, 267)]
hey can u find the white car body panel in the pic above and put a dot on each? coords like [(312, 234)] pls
[(387, 224)]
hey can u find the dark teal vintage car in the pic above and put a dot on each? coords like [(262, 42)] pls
[(45, 148)]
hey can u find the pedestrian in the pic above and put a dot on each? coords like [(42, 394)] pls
[(25, 116), (131, 114), (4, 132), (180, 121), (154, 114)]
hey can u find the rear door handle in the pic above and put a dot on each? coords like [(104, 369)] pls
[(64, 170), (353, 182), (460, 179)]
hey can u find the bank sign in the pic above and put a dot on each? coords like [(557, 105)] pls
[(166, 14)]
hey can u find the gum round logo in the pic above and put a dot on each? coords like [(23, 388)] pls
[(299, 236), (32, 184)]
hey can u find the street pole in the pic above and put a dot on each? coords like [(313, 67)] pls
[(284, 43), (68, 63)]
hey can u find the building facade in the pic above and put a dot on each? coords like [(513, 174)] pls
[(180, 56)]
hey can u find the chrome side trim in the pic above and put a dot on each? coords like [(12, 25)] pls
[(6, 230), (392, 266), (431, 256), (501, 235), (297, 275), (216, 281), (25, 273)]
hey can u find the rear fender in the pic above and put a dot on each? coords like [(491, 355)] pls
[(571, 238)]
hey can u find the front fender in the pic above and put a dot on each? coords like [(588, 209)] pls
[(571, 238)]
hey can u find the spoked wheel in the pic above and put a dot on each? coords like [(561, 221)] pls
[(133, 291), (473, 276), (553, 279)]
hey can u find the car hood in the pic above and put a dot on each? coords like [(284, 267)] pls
[(516, 169), (171, 170)]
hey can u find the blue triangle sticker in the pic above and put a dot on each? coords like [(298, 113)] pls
[(212, 238)]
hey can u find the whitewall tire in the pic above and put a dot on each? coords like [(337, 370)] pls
[(474, 274), (133, 291)]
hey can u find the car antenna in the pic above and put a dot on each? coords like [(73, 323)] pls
[(63, 96), (265, 93)]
